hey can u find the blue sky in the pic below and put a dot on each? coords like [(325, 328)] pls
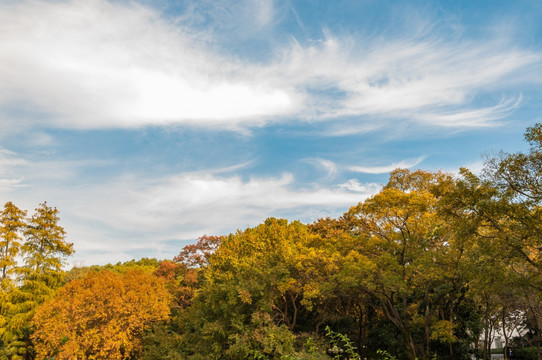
[(150, 123)]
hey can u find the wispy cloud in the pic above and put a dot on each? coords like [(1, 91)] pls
[(419, 79), (327, 165), (114, 218), (149, 212), (356, 186), (474, 118), (239, 19), (42, 178), (188, 201), (475, 167), (9, 159), (9, 177), (298, 19), (382, 169), (99, 64)]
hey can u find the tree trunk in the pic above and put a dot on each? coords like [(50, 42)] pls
[(505, 348), (361, 327), (294, 316), (411, 346), (452, 354), (487, 344), (490, 341), (429, 312)]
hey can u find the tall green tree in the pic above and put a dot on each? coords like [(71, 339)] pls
[(12, 225), (45, 247)]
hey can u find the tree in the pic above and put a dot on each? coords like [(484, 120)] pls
[(251, 300), (12, 224), (45, 246), (412, 259), (101, 316), (520, 173), (44, 251), (181, 281), (500, 214), (198, 254)]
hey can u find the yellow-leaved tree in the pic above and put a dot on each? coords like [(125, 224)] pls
[(101, 316), (44, 251)]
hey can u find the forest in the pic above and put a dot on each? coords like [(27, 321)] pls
[(430, 267)]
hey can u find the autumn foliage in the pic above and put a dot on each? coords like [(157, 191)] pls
[(101, 316)]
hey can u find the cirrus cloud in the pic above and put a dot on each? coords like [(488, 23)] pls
[(382, 169)]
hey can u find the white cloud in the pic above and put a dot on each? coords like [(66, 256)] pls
[(143, 215), (475, 167), (7, 185), (95, 64), (133, 213), (382, 169), (98, 64), (9, 177), (472, 118), (417, 79), (264, 12), (194, 199), (327, 165), (239, 19), (355, 186), (9, 159)]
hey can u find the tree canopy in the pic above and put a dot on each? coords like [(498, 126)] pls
[(100, 316)]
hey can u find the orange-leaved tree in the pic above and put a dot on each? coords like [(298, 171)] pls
[(101, 316)]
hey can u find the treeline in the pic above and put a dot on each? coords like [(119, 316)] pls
[(429, 268)]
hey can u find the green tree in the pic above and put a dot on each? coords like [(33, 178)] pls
[(500, 214), (520, 173), (12, 225), (45, 247), (251, 300), (412, 268), (518, 178)]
